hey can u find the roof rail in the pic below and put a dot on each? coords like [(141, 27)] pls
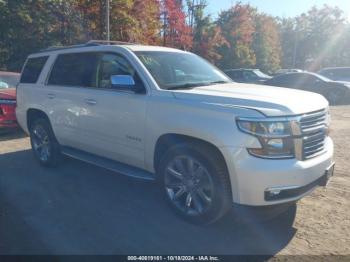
[(89, 43), (54, 48), (107, 42)]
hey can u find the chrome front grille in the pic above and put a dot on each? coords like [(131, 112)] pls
[(314, 131)]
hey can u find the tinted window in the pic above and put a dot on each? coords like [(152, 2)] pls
[(33, 69), (250, 75), (113, 64), (78, 69), (280, 80), (234, 74)]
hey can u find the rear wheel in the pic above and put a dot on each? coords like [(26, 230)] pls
[(44, 144), (196, 183)]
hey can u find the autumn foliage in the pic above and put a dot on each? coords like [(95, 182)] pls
[(240, 36), (176, 32)]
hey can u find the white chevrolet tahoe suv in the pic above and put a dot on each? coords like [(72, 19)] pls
[(160, 113)]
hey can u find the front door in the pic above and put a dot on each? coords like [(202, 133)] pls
[(114, 120)]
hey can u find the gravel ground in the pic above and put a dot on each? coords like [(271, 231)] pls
[(42, 212), (323, 218)]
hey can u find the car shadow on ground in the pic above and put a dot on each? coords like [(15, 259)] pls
[(78, 208), (12, 134)]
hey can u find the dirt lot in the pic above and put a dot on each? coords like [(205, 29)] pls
[(82, 209), (323, 219)]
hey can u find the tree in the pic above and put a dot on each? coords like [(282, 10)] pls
[(147, 15), (207, 36), (176, 32), (315, 39), (288, 36), (266, 45), (28, 26), (123, 26), (238, 27), (93, 14)]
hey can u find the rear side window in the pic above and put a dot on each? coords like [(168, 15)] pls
[(75, 69), (32, 69)]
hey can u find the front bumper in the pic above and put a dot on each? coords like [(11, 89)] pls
[(280, 193), (251, 177)]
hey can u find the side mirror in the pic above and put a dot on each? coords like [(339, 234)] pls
[(122, 81), (126, 82)]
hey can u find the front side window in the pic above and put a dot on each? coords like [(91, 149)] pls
[(32, 69), (75, 69), (114, 64), (172, 70)]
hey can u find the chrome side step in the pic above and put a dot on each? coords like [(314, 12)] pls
[(108, 164)]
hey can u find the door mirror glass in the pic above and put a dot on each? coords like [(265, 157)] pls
[(123, 82)]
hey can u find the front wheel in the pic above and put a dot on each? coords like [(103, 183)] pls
[(44, 144), (196, 184)]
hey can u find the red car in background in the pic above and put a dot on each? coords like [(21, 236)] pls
[(8, 82)]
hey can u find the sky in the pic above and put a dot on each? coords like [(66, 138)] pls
[(282, 8)]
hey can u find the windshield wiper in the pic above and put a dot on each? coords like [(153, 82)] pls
[(216, 82), (185, 86), (192, 85)]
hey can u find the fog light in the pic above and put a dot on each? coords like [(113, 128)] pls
[(274, 192)]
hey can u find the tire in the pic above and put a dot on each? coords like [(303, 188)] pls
[(44, 144), (196, 183)]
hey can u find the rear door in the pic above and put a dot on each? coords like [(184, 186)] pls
[(71, 75)]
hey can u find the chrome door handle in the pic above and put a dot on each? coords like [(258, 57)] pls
[(51, 96), (90, 101)]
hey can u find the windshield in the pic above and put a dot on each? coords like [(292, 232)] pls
[(173, 70), (8, 81)]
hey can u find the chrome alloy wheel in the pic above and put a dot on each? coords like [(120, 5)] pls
[(41, 143), (189, 185)]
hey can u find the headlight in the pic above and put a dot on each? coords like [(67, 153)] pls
[(275, 137)]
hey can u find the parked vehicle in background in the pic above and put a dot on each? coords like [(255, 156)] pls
[(336, 73), (8, 82), (285, 71), (247, 75), (337, 93), (163, 114), (8, 79)]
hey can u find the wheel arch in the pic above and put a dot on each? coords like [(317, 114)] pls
[(33, 113), (165, 141)]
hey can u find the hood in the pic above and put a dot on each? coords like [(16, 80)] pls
[(269, 100), (8, 93)]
